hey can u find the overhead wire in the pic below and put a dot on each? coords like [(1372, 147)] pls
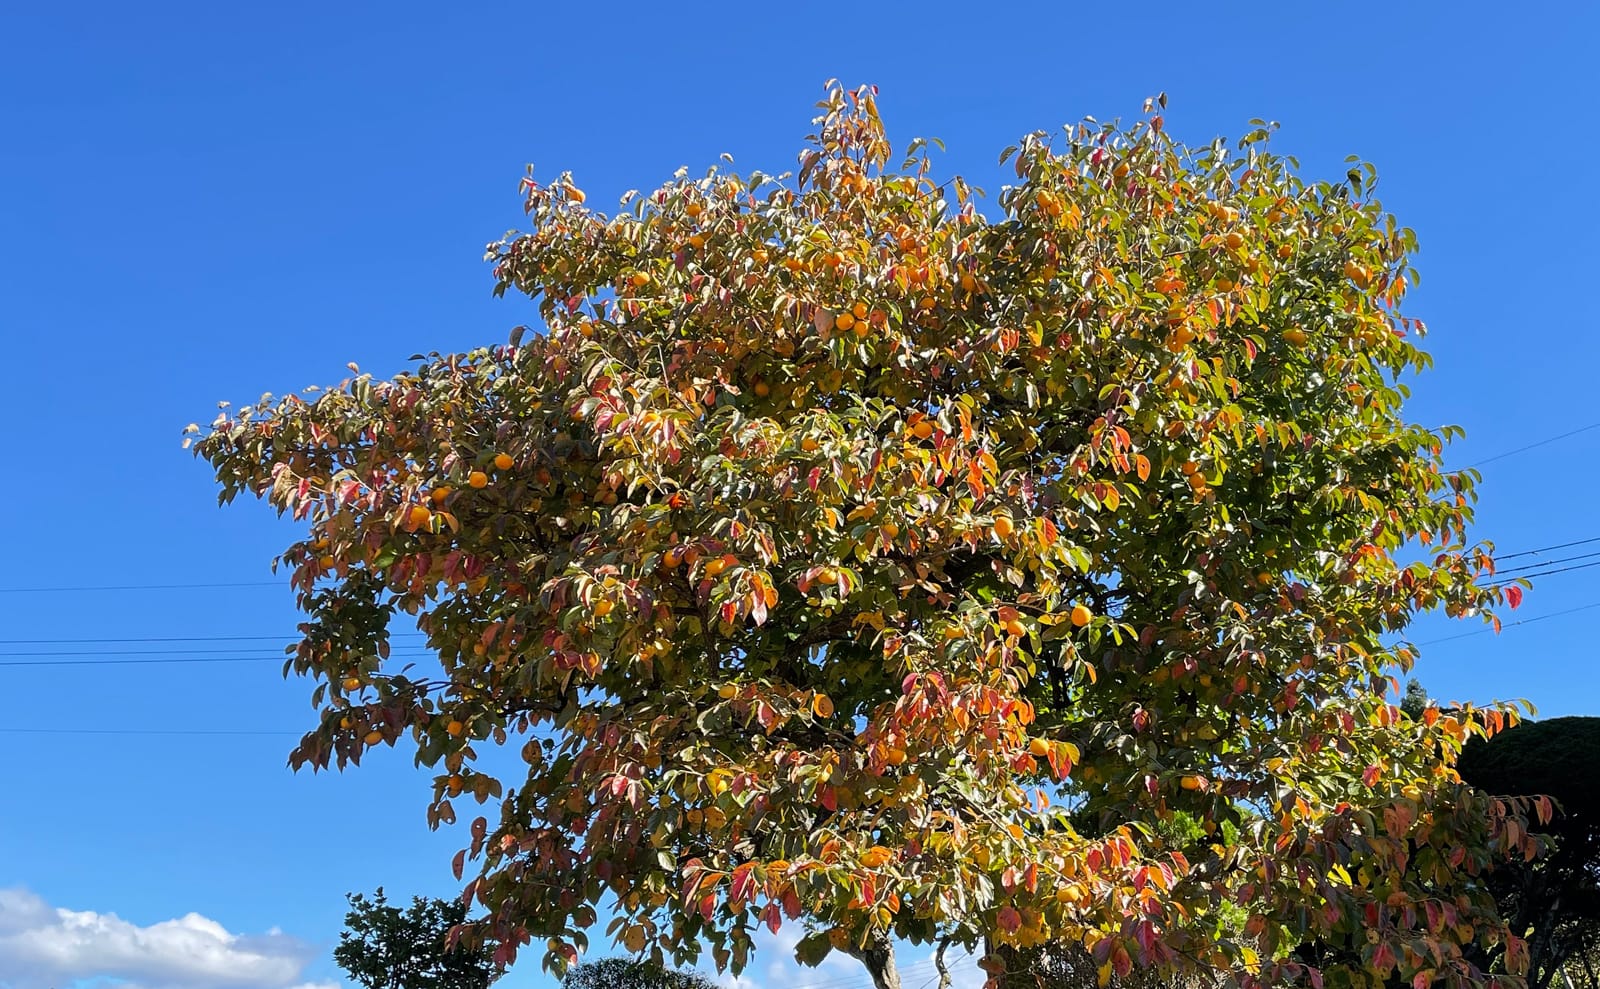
[(168, 638), (1544, 563), (140, 587), (146, 731), (913, 969), (1542, 573), (409, 650), (1546, 549), (1509, 625), (136, 662), (1532, 446)]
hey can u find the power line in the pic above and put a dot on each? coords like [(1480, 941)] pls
[(159, 659), (135, 662), (139, 587), (962, 956), (164, 638), (268, 653), (915, 968), (1544, 573), (1532, 446), (1546, 549), (151, 652), (144, 731), (1506, 625), (848, 981), (1545, 563)]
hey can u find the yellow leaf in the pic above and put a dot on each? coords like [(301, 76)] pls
[(1251, 960)]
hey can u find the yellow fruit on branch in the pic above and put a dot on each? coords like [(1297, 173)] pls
[(503, 461), (876, 857), (477, 479), (1081, 615)]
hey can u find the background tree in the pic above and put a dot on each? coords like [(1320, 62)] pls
[(1415, 700), (624, 973), (385, 947), (1553, 901), (832, 546)]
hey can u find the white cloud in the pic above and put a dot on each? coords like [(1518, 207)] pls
[(43, 946)]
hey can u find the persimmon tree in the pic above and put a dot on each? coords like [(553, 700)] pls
[(834, 551)]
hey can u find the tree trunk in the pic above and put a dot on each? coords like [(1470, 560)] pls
[(878, 957)]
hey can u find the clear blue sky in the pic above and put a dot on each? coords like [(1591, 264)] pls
[(208, 201)]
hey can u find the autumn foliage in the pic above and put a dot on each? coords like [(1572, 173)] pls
[(836, 552)]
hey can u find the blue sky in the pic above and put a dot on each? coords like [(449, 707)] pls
[(208, 201)]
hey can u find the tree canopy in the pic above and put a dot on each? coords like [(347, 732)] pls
[(1553, 901), (385, 947), (838, 553)]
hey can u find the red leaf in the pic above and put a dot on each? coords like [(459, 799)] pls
[(743, 884), (1514, 596)]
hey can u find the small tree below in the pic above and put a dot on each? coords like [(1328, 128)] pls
[(384, 947), (625, 973)]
